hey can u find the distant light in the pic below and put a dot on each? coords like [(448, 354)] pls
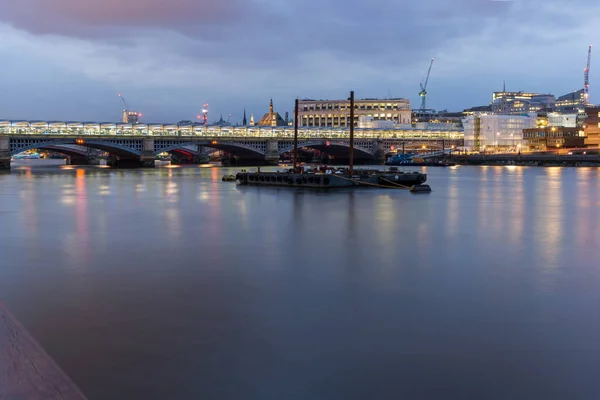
[(214, 142)]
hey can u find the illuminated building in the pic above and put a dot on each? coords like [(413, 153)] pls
[(130, 117), (516, 103), (336, 113), (552, 137), (565, 120), (272, 118), (592, 126), (491, 131), (571, 102)]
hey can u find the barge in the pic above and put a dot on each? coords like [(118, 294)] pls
[(332, 179), (325, 178)]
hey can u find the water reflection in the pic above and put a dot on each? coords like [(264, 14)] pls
[(236, 282)]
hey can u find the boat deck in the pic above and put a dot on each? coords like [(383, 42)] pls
[(321, 180)]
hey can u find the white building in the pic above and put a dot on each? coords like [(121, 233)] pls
[(490, 131), (566, 120), (365, 121)]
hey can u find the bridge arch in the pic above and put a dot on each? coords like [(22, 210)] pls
[(338, 148), (118, 147), (67, 151), (235, 148)]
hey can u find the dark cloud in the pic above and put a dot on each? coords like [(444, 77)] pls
[(233, 53), (97, 17)]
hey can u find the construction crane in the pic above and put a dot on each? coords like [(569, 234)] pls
[(124, 102), (423, 92), (586, 76), (129, 117)]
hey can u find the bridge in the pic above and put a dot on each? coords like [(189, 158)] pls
[(139, 144)]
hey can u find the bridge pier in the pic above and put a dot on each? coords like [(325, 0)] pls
[(121, 162), (379, 153), (272, 153), (83, 160), (147, 158), (4, 154)]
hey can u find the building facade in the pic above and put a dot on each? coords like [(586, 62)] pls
[(490, 132), (336, 113), (130, 117), (592, 126), (571, 102), (519, 103), (552, 138), (559, 119), (272, 118)]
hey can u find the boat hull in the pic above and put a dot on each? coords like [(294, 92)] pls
[(330, 181), (420, 164)]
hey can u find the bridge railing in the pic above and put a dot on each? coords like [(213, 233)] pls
[(29, 128)]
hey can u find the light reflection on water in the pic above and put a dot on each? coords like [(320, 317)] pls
[(492, 275)]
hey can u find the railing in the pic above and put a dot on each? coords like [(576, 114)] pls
[(159, 130)]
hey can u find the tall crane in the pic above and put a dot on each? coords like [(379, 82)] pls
[(124, 102), (423, 92), (129, 117), (586, 76)]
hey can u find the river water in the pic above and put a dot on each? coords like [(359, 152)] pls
[(170, 284)]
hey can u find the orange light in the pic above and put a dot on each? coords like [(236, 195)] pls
[(392, 147), (79, 141), (214, 142)]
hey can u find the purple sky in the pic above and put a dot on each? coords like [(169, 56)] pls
[(68, 59)]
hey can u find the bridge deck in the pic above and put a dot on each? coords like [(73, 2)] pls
[(26, 370)]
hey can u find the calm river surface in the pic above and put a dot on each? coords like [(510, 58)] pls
[(170, 284)]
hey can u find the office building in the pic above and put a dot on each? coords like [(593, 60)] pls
[(592, 126), (552, 138), (490, 132), (336, 113), (571, 102), (130, 117), (521, 103)]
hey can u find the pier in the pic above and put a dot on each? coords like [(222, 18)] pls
[(26, 371)]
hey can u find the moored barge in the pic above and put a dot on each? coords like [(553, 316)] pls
[(332, 179), (324, 178)]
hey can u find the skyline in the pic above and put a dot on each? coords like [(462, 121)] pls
[(70, 60)]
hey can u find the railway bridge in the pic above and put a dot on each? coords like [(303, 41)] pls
[(138, 145)]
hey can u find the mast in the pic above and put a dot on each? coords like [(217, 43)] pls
[(296, 135), (351, 163)]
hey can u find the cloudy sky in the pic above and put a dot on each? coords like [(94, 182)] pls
[(68, 59)]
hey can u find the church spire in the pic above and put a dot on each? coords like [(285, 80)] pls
[(271, 108), (244, 121)]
